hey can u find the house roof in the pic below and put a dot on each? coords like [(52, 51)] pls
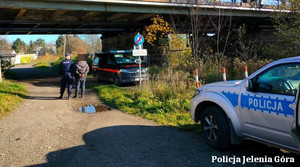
[(7, 54)]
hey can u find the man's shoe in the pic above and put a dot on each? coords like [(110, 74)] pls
[(75, 96), (69, 97), (60, 97)]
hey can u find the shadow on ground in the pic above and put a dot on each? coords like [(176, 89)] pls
[(31, 73), (152, 146)]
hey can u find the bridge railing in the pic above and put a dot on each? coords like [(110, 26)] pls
[(234, 3)]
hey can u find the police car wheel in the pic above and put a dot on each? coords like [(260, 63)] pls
[(96, 77), (215, 128), (117, 80)]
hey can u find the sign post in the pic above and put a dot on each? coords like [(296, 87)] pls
[(139, 40)]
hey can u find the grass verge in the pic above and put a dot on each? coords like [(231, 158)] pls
[(10, 96), (170, 112), (42, 65), (47, 61)]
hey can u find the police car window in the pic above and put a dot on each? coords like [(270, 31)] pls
[(111, 60), (96, 61), (103, 60), (282, 79), (124, 59)]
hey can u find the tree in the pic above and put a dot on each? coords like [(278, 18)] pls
[(98, 47), (76, 45), (31, 47), (40, 42), (246, 48), (159, 29), (287, 27), (60, 44), (60, 41), (19, 46), (208, 34), (4, 46), (93, 43)]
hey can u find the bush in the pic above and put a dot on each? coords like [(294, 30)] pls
[(210, 67), (253, 65)]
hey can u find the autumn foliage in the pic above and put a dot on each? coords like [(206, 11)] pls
[(158, 29)]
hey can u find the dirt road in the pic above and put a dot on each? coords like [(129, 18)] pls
[(45, 131)]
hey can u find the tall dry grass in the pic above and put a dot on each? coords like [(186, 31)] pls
[(47, 58), (210, 67), (170, 86)]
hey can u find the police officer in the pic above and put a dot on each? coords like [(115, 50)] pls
[(66, 70)]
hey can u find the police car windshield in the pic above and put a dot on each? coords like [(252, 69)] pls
[(124, 58)]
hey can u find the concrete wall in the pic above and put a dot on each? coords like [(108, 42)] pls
[(25, 58)]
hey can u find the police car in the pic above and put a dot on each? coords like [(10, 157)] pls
[(118, 66), (263, 107)]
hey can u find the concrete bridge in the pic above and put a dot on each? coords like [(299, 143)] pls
[(119, 20), (107, 17)]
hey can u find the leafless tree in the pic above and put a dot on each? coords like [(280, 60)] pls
[(213, 32), (4, 45), (93, 43)]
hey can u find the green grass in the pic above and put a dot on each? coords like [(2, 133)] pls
[(169, 112), (10, 96), (42, 65)]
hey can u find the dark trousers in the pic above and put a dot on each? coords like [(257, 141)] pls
[(80, 84), (66, 80)]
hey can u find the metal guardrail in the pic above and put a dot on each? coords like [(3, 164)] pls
[(234, 3)]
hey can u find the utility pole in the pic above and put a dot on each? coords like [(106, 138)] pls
[(69, 49), (64, 53)]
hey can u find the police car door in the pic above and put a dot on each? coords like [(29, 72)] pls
[(296, 129), (110, 68), (102, 63), (267, 107)]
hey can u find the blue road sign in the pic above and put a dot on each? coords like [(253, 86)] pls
[(139, 39)]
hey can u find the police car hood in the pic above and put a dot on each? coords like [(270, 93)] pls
[(223, 83)]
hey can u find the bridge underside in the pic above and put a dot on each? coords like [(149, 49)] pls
[(32, 21), (109, 18)]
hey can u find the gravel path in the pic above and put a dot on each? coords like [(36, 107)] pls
[(45, 131)]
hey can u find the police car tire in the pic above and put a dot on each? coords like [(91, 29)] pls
[(117, 80), (222, 140), (96, 77)]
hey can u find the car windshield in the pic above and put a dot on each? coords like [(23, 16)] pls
[(124, 58)]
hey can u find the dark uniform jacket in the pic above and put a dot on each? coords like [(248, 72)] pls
[(67, 68)]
